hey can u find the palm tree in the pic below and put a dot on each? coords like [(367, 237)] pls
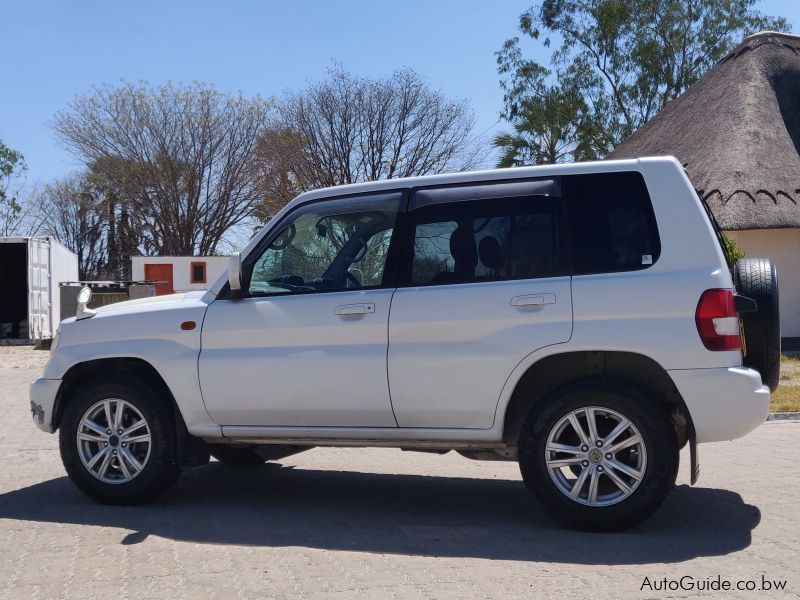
[(546, 130)]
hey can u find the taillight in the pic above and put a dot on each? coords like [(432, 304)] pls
[(717, 320)]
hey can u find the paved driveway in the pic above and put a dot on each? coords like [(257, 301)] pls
[(376, 523)]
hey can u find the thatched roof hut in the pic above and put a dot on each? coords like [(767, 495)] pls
[(737, 131)]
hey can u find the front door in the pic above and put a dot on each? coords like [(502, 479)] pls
[(488, 287), (307, 344), (162, 273)]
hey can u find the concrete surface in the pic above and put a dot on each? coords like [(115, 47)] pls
[(378, 523)]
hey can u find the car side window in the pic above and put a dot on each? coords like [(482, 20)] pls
[(432, 250), (329, 246), (613, 227), (489, 239)]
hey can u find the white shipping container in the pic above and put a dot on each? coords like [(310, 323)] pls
[(31, 269)]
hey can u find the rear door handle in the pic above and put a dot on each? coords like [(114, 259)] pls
[(355, 309), (533, 300)]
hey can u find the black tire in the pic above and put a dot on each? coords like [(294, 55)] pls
[(652, 422), (161, 468), (756, 278), (233, 456)]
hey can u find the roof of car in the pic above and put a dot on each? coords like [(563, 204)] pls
[(478, 176), (737, 132), (604, 166)]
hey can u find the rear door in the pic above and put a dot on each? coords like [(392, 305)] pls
[(486, 285)]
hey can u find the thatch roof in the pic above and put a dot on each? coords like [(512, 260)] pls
[(737, 131)]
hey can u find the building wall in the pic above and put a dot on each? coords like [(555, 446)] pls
[(782, 247), (181, 269)]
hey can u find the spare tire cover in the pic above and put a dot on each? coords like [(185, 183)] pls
[(756, 278)]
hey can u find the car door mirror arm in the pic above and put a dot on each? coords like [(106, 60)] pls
[(235, 276)]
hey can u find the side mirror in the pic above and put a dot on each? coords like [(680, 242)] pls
[(235, 272), (84, 296)]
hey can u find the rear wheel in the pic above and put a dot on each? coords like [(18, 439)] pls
[(598, 455), (118, 442)]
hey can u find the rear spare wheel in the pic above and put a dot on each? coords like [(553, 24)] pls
[(756, 278)]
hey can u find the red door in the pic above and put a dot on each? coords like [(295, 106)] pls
[(159, 272)]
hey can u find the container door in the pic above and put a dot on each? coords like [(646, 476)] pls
[(38, 289)]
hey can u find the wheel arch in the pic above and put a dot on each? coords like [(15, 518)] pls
[(555, 370), (191, 450), (106, 367)]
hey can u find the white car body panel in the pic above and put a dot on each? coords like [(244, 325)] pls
[(452, 347), (725, 404), (259, 355), (647, 312), (148, 329), (437, 340)]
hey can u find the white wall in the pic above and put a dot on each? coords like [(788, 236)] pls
[(181, 269), (782, 247)]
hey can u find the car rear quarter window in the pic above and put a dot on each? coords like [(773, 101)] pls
[(612, 225)]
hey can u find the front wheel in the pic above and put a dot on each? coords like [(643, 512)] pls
[(598, 455), (118, 441)]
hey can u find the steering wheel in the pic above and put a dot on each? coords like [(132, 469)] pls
[(284, 238)]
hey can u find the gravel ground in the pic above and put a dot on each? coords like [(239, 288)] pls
[(380, 523), (23, 357)]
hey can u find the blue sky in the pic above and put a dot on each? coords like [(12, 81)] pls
[(55, 49)]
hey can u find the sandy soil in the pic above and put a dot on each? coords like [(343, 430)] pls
[(23, 357)]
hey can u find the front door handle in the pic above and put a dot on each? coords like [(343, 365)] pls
[(355, 309), (532, 300)]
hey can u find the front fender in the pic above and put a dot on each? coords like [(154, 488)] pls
[(153, 335)]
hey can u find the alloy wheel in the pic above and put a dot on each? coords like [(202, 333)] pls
[(113, 441), (595, 456)]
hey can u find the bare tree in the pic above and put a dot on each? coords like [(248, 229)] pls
[(179, 158), (348, 129), (76, 214)]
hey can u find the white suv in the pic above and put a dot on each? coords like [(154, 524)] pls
[(580, 319)]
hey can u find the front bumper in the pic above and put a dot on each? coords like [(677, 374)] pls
[(724, 403), (43, 394)]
